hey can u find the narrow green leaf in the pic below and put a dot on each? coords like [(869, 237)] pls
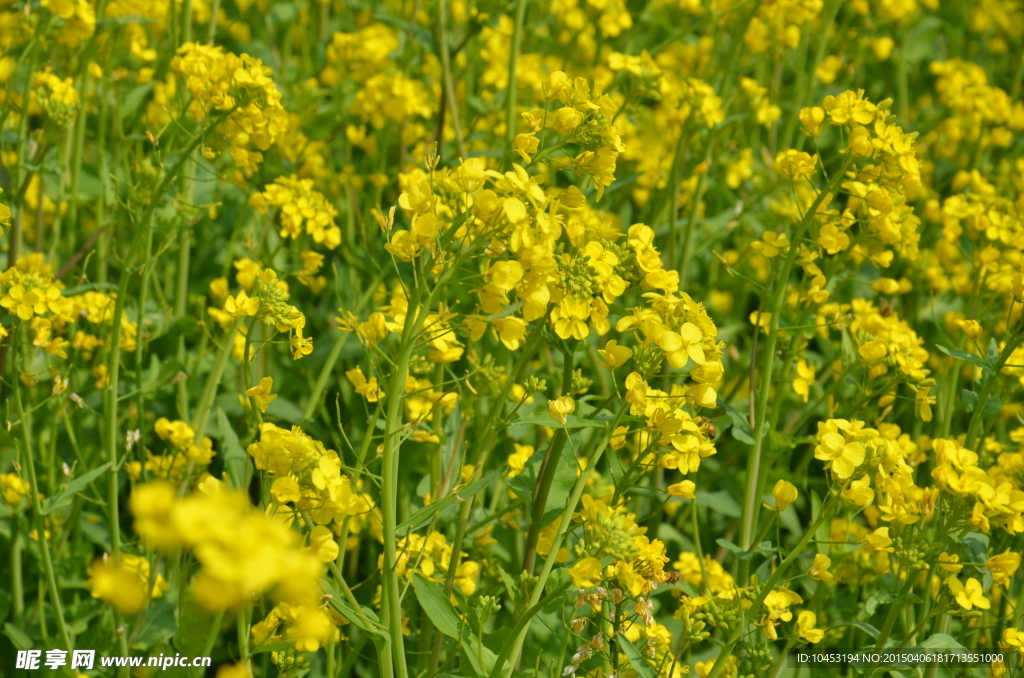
[(942, 640), (194, 626), (849, 352), (721, 502), (966, 357), (866, 628), (233, 454), (543, 418), (970, 399), (437, 606), (64, 497), (740, 425), (18, 637), (992, 407), (423, 516), (347, 611), (636, 660), (739, 553)]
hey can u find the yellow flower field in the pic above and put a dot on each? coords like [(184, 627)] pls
[(512, 338)]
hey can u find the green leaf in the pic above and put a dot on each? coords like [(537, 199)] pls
[(866, 628), (561, 484), (282, 408), (347, 611), (18, 637), (543, 418), (636, 660), (977, 546), (850, 358), (739, 553), (777, 443), (967, 358), (942, 640), (510, 584), (720, 501), (194, 625), (64, 497), (888, 592), (479, 655), (437, 606), (233, 454), (134, 98), (993, 351), (740, 425), (970, 399), (992, 407), (423, 516)]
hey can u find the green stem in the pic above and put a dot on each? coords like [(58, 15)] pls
[(750, 506), (482, 448), (986, 390), (449, 86), (247, 377), (30, 464), (114, 358), (513, 59), (767, 588), (391, 603), (563, 527), (548, 469), (890, 617)]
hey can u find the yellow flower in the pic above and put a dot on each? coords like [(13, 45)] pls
[(878, 541), (586, 573), (614, 355), (805, 622), (950, 563), (771, 244), (795, 164), (569, 318), (812, 120), (116, 585), (804, 379), (969, 595), (517, 460), (1003, 566), (13, 488), (365, 387), (970, 327), (561, 408), (859, 493), (242, 305), (843, 457), (785, 493), (510, 330), (685, 489), (833, 240), (819, 568), (261, 393), (322, 544)]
